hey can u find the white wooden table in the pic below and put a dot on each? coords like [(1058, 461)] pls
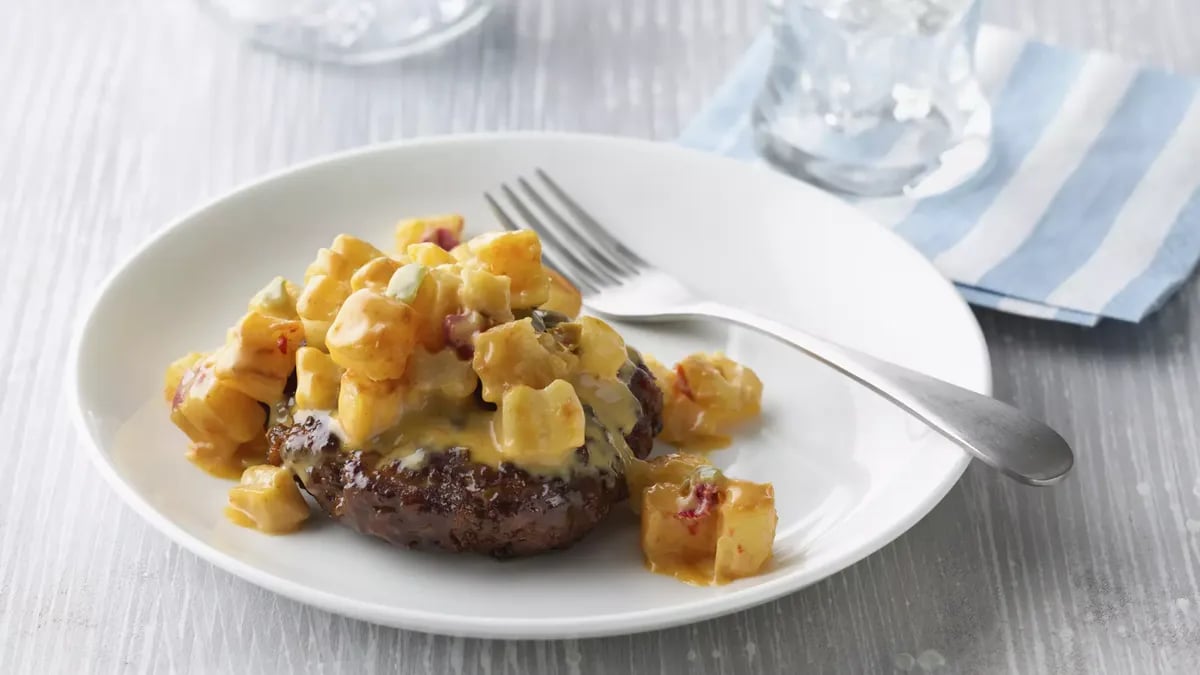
[(115, 116)]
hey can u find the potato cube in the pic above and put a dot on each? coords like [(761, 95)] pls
[(564, 298), (675, 543), (373, 335), (487, 293), (317, 380), (512, 354), (356, 251), (541, 427), (518, 256), (322, 297), (215, 410), (268, 500), (429, 254), (331, 264), (259, 355), (175, 373), (276, 299), (746, 530), (374, 275), (726, 390), (417, 230), (437, 298), (601, 349), (368, 407), (438, 376), (315, 332), (674, 467)]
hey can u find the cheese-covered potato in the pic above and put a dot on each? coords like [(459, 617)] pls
[(318, 380), (487, 293), (513, 354), (277, 299), (267, 500), (564, 298), (601, 349), (541, 427), (373, 335), (518, 256), (331, 264), (705, 397), (355, 251), (374, 274), (206, 408), (443, 230), (258, 355), (368, 407)]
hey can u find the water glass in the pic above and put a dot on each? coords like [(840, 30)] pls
[(875, 97), (351, 31)]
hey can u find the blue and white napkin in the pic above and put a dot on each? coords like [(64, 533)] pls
[(1092, 206)]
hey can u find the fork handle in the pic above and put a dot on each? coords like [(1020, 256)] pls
[(996, 433)]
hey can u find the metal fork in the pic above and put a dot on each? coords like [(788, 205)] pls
[(619, 284)]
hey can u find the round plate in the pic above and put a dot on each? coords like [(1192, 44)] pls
[(850, 471)]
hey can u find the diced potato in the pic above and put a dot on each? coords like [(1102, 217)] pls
[(437, 298), (675, 545), (518, 256), (487, 293), (674, 468), (268, 500), (356, 251), (704, 398), (175, 373), (321, 298), (564, 297), (513, 354), (368, 407), (259, 355), (374, 275), (331, 264), (315, 332), (429, 254), (601, 349), (541, 427), (214, 410), (746, 530), (440, 376), (276, 299), (417, 230), (317, 380), (724, 388), (373, 335)]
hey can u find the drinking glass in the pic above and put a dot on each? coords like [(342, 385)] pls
[(874, 97), (351, 31)]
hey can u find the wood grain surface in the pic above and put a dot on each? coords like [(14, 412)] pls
[(116, 116)]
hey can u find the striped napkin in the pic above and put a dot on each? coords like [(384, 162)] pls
[(1091, 208)]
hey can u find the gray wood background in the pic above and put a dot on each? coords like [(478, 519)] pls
[(115, 116)]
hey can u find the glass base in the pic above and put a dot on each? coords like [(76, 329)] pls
[(953, 167), (351, 32)]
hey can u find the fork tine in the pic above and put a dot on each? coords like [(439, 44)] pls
[(501, 215), (615, 266), (593, 226), (509, 224), (582, 271)]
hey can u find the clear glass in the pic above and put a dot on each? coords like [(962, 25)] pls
[(875, 97), (351, 31)]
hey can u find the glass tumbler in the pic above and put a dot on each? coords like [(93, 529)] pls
[(350, 31), (874, 97)]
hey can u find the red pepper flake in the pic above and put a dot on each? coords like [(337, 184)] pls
[(281, 343), (705, 496), (740, 549), (681, 382)]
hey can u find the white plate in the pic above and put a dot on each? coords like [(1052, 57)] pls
[(850, 472)]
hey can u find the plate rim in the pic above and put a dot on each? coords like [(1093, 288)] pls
[(621, 623)]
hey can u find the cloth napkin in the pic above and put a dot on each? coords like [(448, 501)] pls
[(1091, 208)]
